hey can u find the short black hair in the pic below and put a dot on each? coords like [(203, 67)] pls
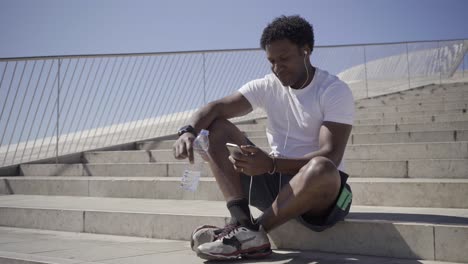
[(294, 28)]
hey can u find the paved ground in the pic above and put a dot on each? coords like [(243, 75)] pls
[(40, 246)]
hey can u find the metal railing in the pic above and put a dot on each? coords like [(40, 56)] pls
[(51, 106)]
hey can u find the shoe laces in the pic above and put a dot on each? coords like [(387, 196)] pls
[(227, 230)]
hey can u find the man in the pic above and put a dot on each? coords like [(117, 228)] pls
[(310, 115)]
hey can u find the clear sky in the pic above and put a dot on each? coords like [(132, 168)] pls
[(59, 27)]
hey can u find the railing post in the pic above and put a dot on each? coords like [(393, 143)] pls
[(58, 110), (204, 79), (407, 62), (365, 71), (463, 72), (440, 63)]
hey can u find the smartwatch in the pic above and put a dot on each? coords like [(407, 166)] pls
[(186, 129)]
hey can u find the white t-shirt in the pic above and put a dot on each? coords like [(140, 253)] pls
[(302, 112)]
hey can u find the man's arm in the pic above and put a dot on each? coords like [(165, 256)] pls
[(230, 106), (333, 139)]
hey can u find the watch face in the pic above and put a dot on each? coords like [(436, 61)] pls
[(182, 129), (186, 129)]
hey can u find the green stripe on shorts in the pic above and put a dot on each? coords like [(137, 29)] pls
[(344, 199)]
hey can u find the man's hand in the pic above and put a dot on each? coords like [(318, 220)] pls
[(254, 162), (183, 147)]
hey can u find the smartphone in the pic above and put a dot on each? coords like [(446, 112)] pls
[(234, 149)]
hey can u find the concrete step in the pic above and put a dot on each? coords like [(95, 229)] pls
[(128, 168), (432, 89), (386, 151), (401, 120), (413, 119), (415, 233), (402, 117), (404, 151), (408, 127), (390, 128), (409, 137), (20, 245), (401, 99), (258, 130), (369, 115), (446, 193), (462, 99), (415, 107), (36, 246), (356, 138), (440, 93), (167, 144), (420, 168)]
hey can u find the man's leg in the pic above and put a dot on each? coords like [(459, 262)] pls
[(243, 238), (221, 132), (312, 191)]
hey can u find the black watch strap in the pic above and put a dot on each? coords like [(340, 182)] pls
[(187, 129)]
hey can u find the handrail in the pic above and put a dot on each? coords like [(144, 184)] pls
[(56, 105), (51, 57)]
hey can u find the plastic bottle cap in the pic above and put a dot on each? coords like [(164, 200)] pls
[(205, 132)]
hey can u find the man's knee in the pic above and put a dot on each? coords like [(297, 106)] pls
[(219, 124), (218, 130), (222, 131), (321, 173)]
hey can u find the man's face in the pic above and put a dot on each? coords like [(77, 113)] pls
[(287, 62)]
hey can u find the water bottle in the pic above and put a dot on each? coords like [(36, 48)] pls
[(192, 172)]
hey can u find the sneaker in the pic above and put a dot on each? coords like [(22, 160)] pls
[(201, 235), (239, 242), (208, 233)]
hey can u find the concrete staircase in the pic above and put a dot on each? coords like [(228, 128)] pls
[(407, 157)]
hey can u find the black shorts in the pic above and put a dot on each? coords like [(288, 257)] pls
[(265, 189)]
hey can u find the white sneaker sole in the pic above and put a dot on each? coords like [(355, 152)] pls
[(250, 253)]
